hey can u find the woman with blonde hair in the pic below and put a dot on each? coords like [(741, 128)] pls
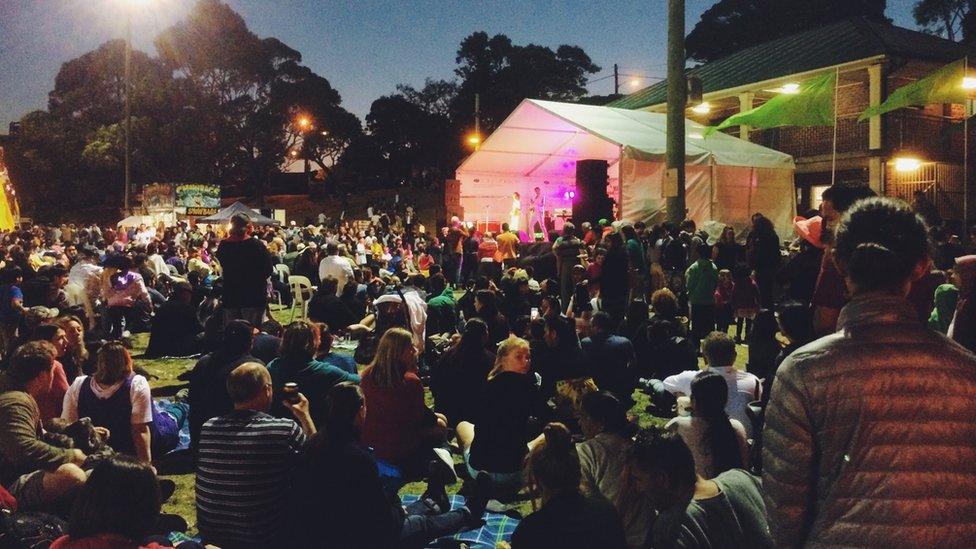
[(76, 357), (496, 442), (399, 427), (119, 401)]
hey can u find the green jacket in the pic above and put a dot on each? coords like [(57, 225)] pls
[(21, 449), (701, 278), (442, 312)]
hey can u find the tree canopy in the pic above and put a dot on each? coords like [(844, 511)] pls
[(219, 104), (953, 19), (733, 25)]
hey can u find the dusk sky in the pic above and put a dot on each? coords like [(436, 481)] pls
[(363, 48)]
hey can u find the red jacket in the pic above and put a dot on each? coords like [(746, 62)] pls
[(394, 417)]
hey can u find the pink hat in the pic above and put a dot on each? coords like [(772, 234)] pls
[(966, 268), (809, 229)]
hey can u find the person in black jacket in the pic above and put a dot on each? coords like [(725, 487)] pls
[(461, 374), (208, 378), (338, 500), (507, 401), (176, 331), (246, 266), (327, 307)]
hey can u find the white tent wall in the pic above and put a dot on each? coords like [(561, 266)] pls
[(731, 198), (727, 178)]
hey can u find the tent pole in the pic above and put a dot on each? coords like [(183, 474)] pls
[(965, 155), (833, 155)]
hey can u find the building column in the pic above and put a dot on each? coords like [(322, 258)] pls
[(875, 90), (875, 143), (745, 104)]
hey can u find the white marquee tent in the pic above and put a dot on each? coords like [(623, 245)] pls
[(727, 179)]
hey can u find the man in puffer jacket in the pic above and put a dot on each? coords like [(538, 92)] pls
[(870, 436)]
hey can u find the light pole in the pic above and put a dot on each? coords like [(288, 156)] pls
[(128, 109)]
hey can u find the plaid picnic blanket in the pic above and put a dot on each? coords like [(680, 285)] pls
[(184, 432), (497, 528)]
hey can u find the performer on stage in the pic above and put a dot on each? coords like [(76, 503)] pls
[(537, 210), (515, 216)]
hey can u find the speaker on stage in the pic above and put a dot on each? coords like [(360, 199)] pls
[(592, 202)]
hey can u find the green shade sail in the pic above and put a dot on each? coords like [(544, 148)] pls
[(811, 105), (942, 86)]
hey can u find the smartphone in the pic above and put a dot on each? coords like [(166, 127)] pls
[(534, 314)]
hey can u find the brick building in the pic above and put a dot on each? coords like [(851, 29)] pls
[(872, 59)]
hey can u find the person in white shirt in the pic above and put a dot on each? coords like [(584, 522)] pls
[(87, 274), (335, 266), (717, 441), (154, 261), (719, 351)]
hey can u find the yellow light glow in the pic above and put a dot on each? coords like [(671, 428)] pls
[(702, 108), (325, 133), (294, 153), (304, 122), (790, 87), (969, 83), (474, 139), (907, 164), (635, 82)]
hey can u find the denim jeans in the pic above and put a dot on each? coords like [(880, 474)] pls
[(424, 524)]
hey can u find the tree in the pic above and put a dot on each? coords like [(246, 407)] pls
[(503, 74), (733, 25), (953, 19)]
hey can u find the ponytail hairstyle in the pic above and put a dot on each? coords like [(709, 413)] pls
[(878, 244), (553, 466), (709, 394)]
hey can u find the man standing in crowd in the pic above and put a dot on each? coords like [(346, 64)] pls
[(507, 246), (39, 475), (245, 462), (246, 266)]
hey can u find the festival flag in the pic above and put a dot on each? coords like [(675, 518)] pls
[(942, 86), (811, 105)]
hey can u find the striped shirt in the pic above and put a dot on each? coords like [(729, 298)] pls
[(244, 461)]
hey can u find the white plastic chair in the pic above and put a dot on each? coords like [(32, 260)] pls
[(282, 272), (301, 294)]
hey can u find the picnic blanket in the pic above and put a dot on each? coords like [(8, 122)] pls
[(497, 527), (184, 443)]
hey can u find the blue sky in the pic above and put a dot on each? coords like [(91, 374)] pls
[(365, 48)]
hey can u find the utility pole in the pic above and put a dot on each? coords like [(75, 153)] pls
[(674, 180), (477, 114), (128, 110), (616, 80)]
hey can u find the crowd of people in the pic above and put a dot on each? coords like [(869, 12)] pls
[(815, 388)]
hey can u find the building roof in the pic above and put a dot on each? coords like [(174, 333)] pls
[(842, 42)]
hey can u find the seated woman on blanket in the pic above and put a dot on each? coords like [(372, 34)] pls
[(495, 442)]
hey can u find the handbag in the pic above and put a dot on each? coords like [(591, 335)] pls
[(30, 530)]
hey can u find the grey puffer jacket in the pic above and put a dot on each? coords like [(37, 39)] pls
[(870, 436)]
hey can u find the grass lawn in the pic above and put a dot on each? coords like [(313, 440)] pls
[(167, 384)]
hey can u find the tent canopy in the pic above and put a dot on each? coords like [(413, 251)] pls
[(224, 215), (545, 138), (728, 178)]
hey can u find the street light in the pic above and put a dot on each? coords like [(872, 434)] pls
[(128, 100)]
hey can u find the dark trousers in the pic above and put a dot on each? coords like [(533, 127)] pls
[(702, 322), (424, 524)]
